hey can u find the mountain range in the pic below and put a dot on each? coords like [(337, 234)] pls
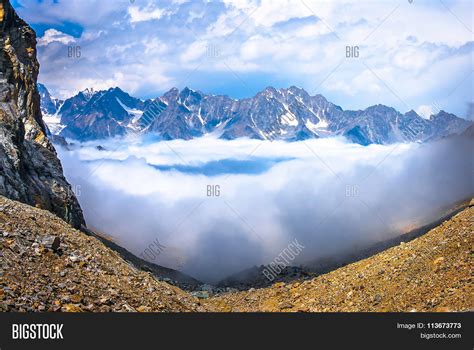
[(273, 114), (47, 266)]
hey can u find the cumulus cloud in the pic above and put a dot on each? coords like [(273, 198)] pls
[(401, 63), (425, 111), (335, 198), (147, 13), (53, 35)]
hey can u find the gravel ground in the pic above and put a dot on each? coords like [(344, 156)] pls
[(46, 265)]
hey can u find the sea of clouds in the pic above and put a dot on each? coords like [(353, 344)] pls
[(217, 207)]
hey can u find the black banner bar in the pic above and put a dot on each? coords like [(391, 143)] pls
[(142, 331)]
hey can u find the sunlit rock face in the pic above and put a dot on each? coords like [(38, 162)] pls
[(29, 168)]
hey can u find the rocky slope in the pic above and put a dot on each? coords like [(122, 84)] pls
[(272, 114), (430, 273), (46, 265), (29, 168)]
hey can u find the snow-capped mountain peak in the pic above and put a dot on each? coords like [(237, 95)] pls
[(286, 114)]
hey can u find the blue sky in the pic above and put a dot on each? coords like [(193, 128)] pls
[(412, 55)]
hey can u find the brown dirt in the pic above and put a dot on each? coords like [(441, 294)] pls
[(82, 275)]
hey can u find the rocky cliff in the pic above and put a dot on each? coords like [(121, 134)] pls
[(30, 171)]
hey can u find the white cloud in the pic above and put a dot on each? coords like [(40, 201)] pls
[(124, 195), (425, 111), (53, 35), (284, 41), (366, 82), (148, 13), (194, 51), (412, 58)]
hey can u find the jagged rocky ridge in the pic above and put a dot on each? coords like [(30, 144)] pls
[(273, 114), (49, 104), (30, 171)]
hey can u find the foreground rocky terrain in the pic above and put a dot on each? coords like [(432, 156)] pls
[(431, 273), (46, 265)]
